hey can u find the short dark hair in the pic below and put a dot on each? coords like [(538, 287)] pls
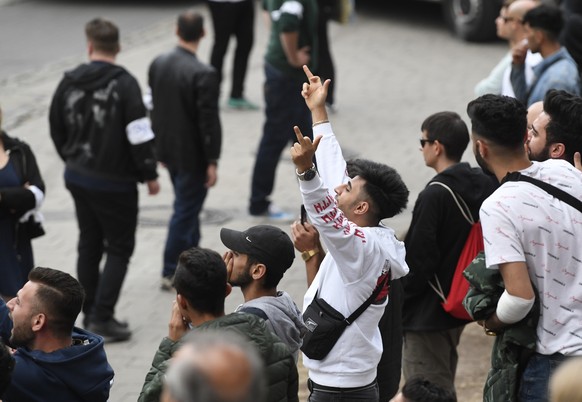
[(450, 130), (201, 279), (565, 125), (546, 18), (6, 367), (419, 389), (103, 34), (500, 119), (190, 26), (384, 186), (59, 296)]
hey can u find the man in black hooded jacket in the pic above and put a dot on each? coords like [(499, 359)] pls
[(99, 127), (434, 241)]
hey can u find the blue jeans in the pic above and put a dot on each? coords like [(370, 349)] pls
[(318, 393), (184, 228), (536, 376), (285, 108)]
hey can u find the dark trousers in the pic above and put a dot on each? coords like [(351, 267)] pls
[(107, 223), (536, 377), (238, 20), (432, 354), (325, 68), (319, 393), (285, 108), (184, 228)]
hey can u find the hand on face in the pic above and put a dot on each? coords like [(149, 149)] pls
[(229, 261), (178, 325)]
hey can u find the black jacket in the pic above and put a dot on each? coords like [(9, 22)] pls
[(434, 242), (16, 201), (185, 111), (89, 115)]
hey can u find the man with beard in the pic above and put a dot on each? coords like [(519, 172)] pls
[(201, 288), (54, 360), (557, 132), (256, 262), (532, 238)]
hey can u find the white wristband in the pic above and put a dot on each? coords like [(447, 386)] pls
[(512, 309)]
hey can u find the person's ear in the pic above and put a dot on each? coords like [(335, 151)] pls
[(362, 207), (557, 150), (258, 271), (182, 302), (438, 148), (228, 289), (38, 322), (483, 149)]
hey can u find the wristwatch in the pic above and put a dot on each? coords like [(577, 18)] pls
[(307, 175), (306, 255)]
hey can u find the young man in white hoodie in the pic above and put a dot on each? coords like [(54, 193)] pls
[(361, 252), (256, 262)]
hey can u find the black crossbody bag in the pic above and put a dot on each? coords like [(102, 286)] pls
[(325, 324)]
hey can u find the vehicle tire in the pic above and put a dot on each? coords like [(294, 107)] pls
[(472, 20)]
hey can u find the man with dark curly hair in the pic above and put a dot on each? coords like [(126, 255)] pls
[(362, 252), (531, 237)]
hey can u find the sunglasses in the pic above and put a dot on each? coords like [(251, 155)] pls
[(424, 141)]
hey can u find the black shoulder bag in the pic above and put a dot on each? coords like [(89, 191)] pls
[(325, 324)]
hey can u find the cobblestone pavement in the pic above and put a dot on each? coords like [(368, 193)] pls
[(390, 76)]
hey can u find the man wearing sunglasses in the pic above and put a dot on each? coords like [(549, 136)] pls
[(434, 241)]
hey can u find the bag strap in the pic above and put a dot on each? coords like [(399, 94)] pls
[(370, 299), (458, 200), (466, 212), (552, 190)]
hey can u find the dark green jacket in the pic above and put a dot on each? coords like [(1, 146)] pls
[(513, 345), (280, 368)]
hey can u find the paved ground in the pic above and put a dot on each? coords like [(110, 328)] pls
[(386, 86)]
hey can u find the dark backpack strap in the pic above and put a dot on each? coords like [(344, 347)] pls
[(370, 299), (554, 191), (255, 311)]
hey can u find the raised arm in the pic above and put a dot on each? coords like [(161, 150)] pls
[(315, 93)]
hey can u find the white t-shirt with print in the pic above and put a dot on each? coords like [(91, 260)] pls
[(523, 223)]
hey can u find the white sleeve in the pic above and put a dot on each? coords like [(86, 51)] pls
[(331, 164)]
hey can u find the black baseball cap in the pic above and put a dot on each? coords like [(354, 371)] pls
[(268, 244)]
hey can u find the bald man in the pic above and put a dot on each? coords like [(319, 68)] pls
[(214, 366)]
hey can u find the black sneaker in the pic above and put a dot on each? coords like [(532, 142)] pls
[(111, 330), (87, 322)]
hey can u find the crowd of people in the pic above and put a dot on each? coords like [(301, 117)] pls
[(378, 297)]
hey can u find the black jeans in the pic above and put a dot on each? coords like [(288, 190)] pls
[(318, 393), (107, 223), (230, 19)]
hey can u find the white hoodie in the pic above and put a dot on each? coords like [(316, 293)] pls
[(357, 257)]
